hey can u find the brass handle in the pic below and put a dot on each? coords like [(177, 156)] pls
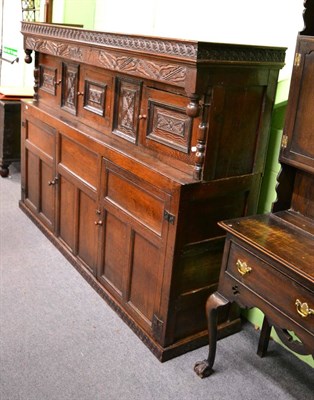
[(303, 309), (80, 93), (58, 82), (242, 267), (53, 182), (142, 116), (98, 223)]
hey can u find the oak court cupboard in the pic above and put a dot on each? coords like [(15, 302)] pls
[(133, 148)]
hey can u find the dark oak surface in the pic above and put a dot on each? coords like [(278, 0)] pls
[(281, 237), (132, 149)]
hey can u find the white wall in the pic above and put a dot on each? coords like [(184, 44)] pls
[(266, 22), (260, 22), (17, 74)]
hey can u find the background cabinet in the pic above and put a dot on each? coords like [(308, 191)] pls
[(10, 139), (152, 141)]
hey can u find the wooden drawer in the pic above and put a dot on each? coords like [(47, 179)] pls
[(269, 283), (78, 160), (40, 137)]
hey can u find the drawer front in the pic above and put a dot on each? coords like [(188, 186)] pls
[(40, 136), (140, 200), (79, 160), (273, 286)]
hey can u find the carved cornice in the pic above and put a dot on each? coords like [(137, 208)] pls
[(240, 53), (190, 51), (168, 47)]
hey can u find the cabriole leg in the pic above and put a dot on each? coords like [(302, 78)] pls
[(214, 302)]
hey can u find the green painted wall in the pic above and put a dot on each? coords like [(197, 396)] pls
[(80, 12)]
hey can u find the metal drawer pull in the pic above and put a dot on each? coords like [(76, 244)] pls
[(303, 309), (242, 267)]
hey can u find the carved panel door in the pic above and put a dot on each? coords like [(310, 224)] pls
[(133, 245), (169, 129), (298, 139), (49, 80), (126, 116), (77, 203), (38, 159), (95, 98)]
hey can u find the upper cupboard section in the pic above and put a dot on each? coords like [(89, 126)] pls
[(166, 98), (120, 106)]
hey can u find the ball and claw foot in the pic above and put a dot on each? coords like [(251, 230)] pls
[(203, 369), (4, 171)]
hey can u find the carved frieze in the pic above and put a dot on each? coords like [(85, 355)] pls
[(148, 69), (165, 72), (55, 48)]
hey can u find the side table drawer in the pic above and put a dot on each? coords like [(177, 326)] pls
[(273, 286)]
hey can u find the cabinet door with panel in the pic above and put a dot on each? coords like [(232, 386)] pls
[(126, 115), (133, 246), (49, 80), (78, 213), (169, 129), (58, 83), (298, 140), (95, 98), (38, 173)]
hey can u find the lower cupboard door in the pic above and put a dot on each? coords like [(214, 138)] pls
[(132, 268), (134, 246), (77, 221)]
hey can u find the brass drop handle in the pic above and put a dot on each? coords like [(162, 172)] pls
[(58, 82), (98, 222), (53, 182), (142, 116), (242, 267), (303, 309), (80, 93)]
